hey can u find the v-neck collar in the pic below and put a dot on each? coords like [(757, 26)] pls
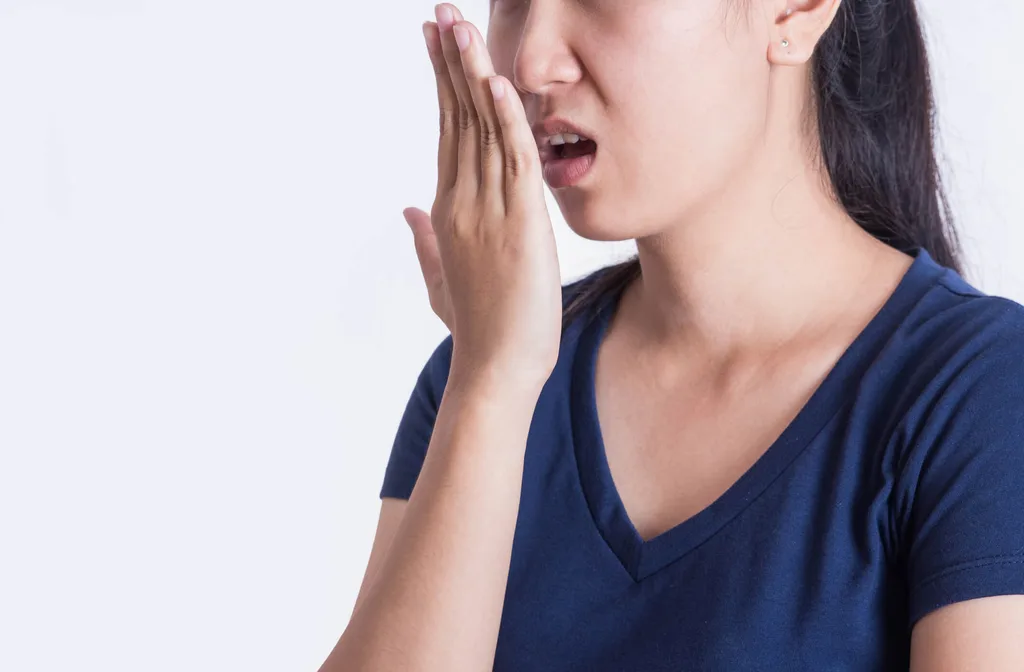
[(642, 558)]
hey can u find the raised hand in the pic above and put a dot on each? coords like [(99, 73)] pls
[(487, 250)]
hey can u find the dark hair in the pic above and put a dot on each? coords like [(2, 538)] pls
[(876, 124)]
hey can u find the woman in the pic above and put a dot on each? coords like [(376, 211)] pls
[(810, 452)]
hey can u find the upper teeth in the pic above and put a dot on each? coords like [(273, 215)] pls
[(563, 138)]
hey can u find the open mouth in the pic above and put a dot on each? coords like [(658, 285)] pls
[(567, 163), (572, 150)]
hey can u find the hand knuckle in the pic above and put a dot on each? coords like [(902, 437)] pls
[(464, 227), (447, 120), (467, 117), (490, 138), (490, 150), (439, 214), (518, 163)]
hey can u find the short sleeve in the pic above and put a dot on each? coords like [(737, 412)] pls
[(964, 480), (417, 424)]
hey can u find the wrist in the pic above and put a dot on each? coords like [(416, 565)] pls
[(494, 382)]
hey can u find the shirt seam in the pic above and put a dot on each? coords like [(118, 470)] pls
[(947, 278), (970, 564)]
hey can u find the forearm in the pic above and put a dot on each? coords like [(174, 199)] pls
[(436, 601)]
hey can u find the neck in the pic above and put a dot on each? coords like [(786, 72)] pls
[(754, 266)]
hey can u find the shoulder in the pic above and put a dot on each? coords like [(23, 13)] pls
[(960, 385), (951, 373), (952, 329), (957, 328), (976, 361)]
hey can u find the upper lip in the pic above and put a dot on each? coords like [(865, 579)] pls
[(552, 125)]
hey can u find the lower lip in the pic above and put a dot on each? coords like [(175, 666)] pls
[(562, 173)]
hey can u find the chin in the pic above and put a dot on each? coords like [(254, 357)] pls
[(588, 219)]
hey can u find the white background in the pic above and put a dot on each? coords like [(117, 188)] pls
[(211, 314)]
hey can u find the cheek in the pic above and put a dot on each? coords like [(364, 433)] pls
[(696, 120)]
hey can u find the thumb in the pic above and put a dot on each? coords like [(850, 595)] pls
[(426, 246), (418, 221)]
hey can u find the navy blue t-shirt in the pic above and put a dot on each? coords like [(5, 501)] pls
[(897, 489)]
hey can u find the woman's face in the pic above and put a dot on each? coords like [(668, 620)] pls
[(675, 91)]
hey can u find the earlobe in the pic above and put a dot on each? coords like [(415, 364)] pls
[(797, 30), (780, 52), (785, 52)]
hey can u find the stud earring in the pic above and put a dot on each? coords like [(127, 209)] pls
[(785, 43)]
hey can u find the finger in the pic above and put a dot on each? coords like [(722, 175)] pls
[(522, 169), (476, 63), (469, 140), (448, 106)]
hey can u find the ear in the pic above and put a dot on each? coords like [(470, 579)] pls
[(798, 26)]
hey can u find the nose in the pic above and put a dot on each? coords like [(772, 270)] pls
[(544, 58)]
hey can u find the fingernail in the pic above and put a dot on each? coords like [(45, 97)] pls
[(445, 17), (461, 37), (497, 90)]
